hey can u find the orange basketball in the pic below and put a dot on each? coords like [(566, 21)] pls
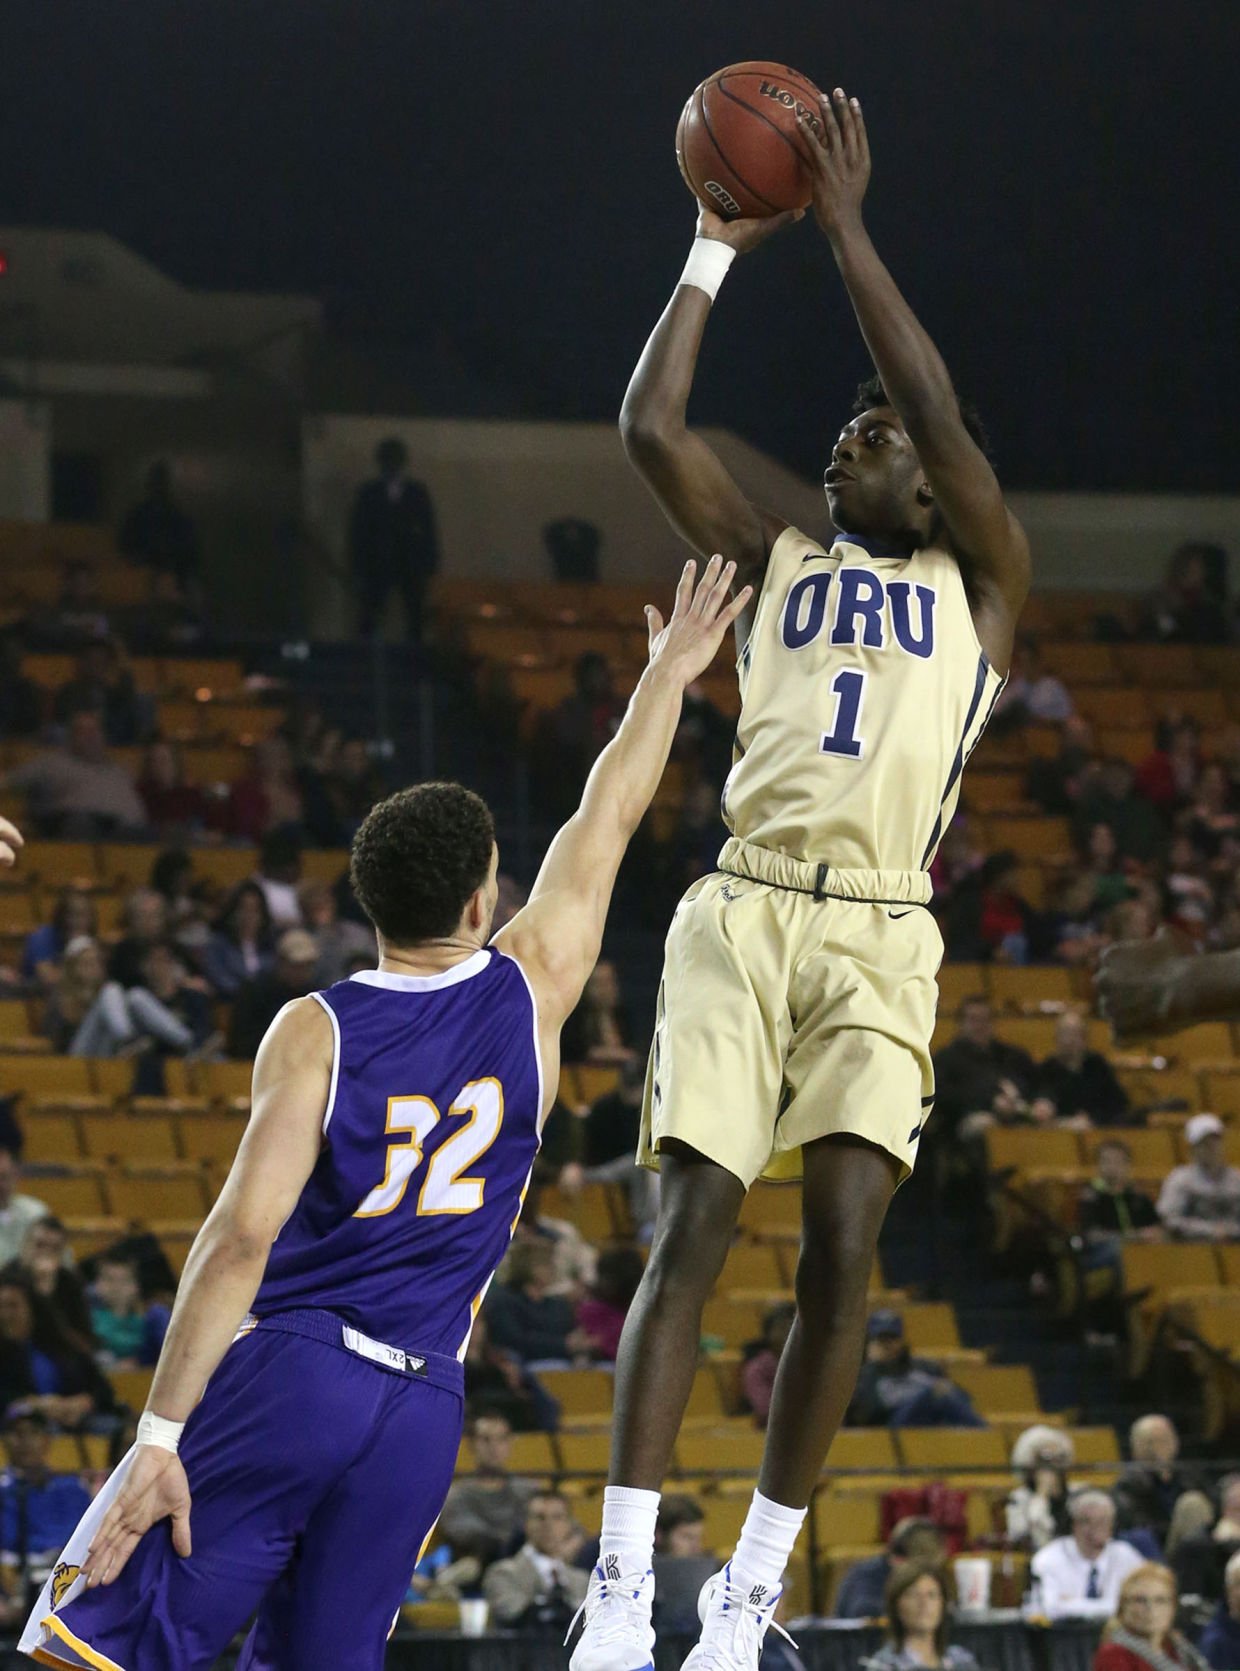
[(738, 144)]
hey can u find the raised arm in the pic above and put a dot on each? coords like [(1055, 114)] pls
[(986, 537), (697, 495), (556, 937)]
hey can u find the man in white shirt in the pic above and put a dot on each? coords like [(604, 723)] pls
[(537, 1589), (17, 1212), (1200, 1202), (1079, 1576)]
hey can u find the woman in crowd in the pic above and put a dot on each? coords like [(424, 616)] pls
[(599, 1031), (917, 1624), (1037, 1510), (762, 1360), (40, 1369), (1142, 1635), (173, 806), (43, 952), (242, 944), (54, 1285), (86, 1013)]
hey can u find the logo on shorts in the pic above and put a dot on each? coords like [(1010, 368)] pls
[(727, 894), (723, 197), (64, 1577), (899, 916)]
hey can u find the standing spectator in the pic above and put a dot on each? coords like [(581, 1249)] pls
[(681, 1564), (1142, 1635), (160, 535), (39, 1508), (1031, 695), (17, 1212), (1078, 1081), (393, 541), (1079, 1576), (762, 1360), (526, 1318), (241, 946), (863, 1594), (573, 546), (601, 1314), (1036, 1511), (895, 1389), (103, 684), (1220, 1641), (338, 939), (485, 1510), (76, 792), (174, 808), (1191, 605), (1151, 1486), (978, 1077), (146, 925), (75, 917), (260, 1000), (916, 1606), (599, 1031), (1200, 1202), (538, 1590), (128, 1332)]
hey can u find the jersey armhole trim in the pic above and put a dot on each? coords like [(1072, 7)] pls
[(538, 1061), (331, 1094)]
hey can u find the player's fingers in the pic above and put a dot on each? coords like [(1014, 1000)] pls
[(706, 587), (654, 623), (684, 588), (737, 605), (10, 842), (720, 591), (819, 137), (863, 138), (848, 126), (181, 1540)]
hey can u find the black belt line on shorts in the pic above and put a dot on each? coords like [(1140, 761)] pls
[(819, 890)]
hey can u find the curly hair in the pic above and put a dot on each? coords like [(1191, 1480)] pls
[(418, 857), (871, 393)]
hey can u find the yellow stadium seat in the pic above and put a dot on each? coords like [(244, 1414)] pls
[(931, 1328), (532, 1453), (225, 866), (1149, 1087), (1031, 838), (1221, 1094), (1166, 1265), (724, 1515), (238, 723), (94, 1450), (211, 1137), (705, 1404), (844, 1516), (510, 642), (707, 1450), (14, 1020), (112, 1077), (771, 1208), (51, 1137), (1150, 1146), (937, 1449), (128, 1137), (70, 1195), (986, 792), (584, 1453), (579, 1392), (1206, 705), (1229, 1258), (132, 1386), (541, 688), (324, 864), (958, 981), (19, 912), (49, 669), (1208, 1041), (45, 1077), (227, 1081), (753, 1265), (128, 864), (1027, 1147), (218, 675), (862, 1449), (1029, 986), (590, 1081), (1081, 664), (1113, 705), (1132, 745), (1172, 665), (1034, 1033), (211, 764), (143, 1194), (1095, 1444), (181, 1078), (995, 1388), (732, 1323)]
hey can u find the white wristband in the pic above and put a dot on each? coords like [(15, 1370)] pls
[(154, 1430), (708, 264)]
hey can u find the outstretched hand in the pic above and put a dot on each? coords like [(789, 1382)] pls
[(154, 1489), (702, 614), (839, 161), (1138, 983), (743, 234)]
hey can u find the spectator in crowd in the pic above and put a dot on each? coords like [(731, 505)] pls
[(43, 951), (21, 700), (1191, 605), (171, 1015), (175, 808), (527, 1319), (17, 1211), (1142, 1635), (270, 800), (1151, 1485), (352, 785), (104, 684), (572, 544), (39, 1507), (146, 925), (1108, 797), (1102, 867), (240, 948), (573, 1259), (46, 1265), (988, 919), (1057, 783), (494, 1380), (600, 1030), (762, 1360), (1188, 893), (895, 1389), (1200, 1202), (575, 733), (75, 791), (863, 1593), (681, 1564), (278, 875), (1200, 1559), (485, 1510), (39, 1368), (189, 900), (1212, 823), (917, 1609), (600, 1316), (128, 1332), (1220, 1641), (1036, 1511), (1079, 1576), (608, 1142), (393, 541), (957, 859), (337, 938), (260, 1000), (538, 1590), (85, 1013), (1167, 778), (160, 535), (1079, 1082), (1112, 1209), (980, 1079), (1031, 695)]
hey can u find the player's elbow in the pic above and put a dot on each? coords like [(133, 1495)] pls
[(647, 433)]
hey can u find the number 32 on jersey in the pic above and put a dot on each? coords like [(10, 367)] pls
[(446, 1188)]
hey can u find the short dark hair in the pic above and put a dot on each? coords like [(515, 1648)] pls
[(902, 1580), (418, 857), (676, 1510), (488, 1412), (871, 393), (914, 1538)]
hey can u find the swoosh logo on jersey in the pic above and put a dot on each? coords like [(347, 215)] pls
[(897, 916)]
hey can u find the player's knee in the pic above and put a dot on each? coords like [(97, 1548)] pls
[(833, 1270)]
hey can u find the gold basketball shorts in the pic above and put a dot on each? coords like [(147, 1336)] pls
[(797, 1001)]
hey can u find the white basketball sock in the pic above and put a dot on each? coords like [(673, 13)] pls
[(628, 1528), (765, 1543)]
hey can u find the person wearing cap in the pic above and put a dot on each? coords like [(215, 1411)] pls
[(1036, 1511), (1200, 1202), (260, 1000), (895, 1389)]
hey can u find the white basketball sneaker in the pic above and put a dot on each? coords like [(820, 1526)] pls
[(617, 1634), (734, 1618)]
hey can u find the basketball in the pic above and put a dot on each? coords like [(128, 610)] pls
[(737, 141)]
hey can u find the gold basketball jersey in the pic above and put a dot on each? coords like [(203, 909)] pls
[(863, 692)]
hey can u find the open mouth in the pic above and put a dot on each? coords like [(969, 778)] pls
[(835, 478)]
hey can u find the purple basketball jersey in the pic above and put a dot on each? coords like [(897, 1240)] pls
[(430, 1133)]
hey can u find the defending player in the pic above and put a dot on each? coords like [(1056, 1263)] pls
[(327, 1301), (798, 997)]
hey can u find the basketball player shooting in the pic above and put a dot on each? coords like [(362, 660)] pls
[(798, 993), (305, 1415)]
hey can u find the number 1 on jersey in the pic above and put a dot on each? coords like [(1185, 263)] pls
[(848, 687)]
